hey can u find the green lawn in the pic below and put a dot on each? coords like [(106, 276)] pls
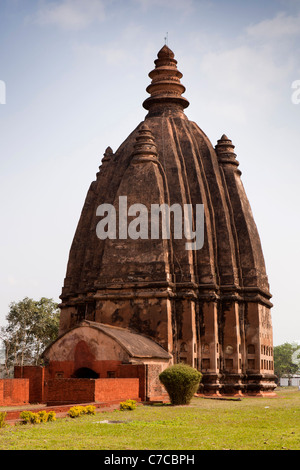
[(206, 424)]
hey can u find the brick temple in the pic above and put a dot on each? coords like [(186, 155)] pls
[(130, 307)]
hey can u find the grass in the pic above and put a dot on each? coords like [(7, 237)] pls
[(206, 424)]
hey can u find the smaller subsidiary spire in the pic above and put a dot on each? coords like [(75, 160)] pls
[(165, 88), (108, 155), (145, 148), (225, 151)]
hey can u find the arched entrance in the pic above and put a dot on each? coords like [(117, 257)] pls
[(85, 373)]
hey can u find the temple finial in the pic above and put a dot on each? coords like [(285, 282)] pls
[(165, 88)]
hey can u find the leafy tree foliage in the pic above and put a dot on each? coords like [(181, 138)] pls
[(31, 326), (284, 359)]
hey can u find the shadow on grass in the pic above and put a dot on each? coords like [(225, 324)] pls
[(157, 404)]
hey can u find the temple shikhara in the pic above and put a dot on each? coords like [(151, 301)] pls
[(132, 306)]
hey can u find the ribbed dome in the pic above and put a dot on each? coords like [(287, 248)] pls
[(193, 173), (184, 299)]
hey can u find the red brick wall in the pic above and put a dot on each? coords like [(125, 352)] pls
[(14, 392), (35, 374), (116, 389), (132, 371), (150, 387), (43, 381), (62, 391), (45, 386)]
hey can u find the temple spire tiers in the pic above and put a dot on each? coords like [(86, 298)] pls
[(225, 152), (108, 156), (165, 88), (145, 148)]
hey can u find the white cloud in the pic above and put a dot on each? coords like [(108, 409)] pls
[(244, 68), (114, 52), (70, 14), (246, 79), (253, 77), (281, 26), (185, 7)]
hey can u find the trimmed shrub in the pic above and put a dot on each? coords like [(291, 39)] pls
[(51, 416), (90, 410), (36, 418), (75, 411), (181, 382), (43, 415), (2, 419), (79, 410), (128, 405), (28, 417)]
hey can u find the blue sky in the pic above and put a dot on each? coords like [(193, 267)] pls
[(76, 72)]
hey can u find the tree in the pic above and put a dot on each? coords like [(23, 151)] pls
[(284, 360), (31, 326)]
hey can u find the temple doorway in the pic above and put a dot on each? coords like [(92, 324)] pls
[(85, 373)]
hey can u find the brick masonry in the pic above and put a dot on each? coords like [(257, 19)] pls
[(63, 391), (14, 392), (130, 381), (36, 376)]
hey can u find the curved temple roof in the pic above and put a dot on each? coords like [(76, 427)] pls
[(136, 345)]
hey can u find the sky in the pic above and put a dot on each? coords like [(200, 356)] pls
[(73, 77)]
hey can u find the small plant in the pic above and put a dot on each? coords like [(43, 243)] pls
[(181, 382), (35, 418), (90, 410), (28, 417), (128, 405), (2, 419), (79, 410), (75, 411), (51, 416), (43, 415)]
